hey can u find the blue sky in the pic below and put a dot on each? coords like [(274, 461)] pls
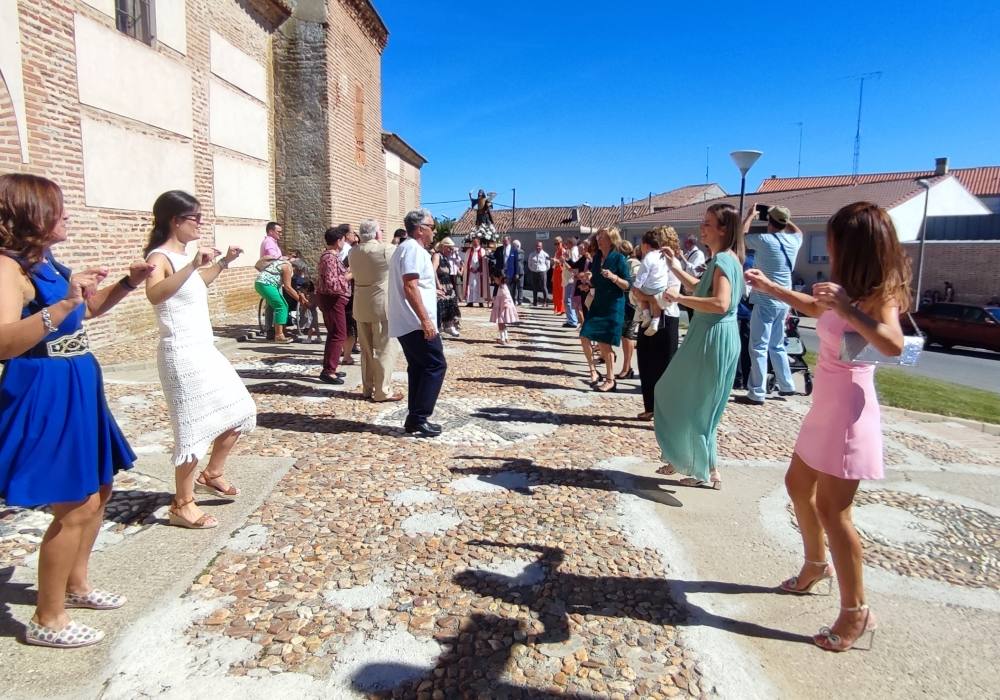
[(586, 101)]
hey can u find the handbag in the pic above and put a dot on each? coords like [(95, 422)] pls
[(590, 298), (854, 348)]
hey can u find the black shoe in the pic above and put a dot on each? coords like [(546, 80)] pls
[(569, 325), (747, 401), (788, 393), (469, 305), (423, 429), (324, 377)]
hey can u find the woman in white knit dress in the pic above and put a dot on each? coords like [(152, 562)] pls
[(208, 404)]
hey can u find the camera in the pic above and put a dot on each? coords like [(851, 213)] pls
[(762, 210)]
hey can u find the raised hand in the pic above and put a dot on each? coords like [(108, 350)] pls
[(673, 260), (758, 280), (139, 272), (832, 296), (84, 284), (204, 256), (233, 253)]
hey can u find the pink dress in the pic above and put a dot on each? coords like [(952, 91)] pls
[(842, 433), (504, 310)]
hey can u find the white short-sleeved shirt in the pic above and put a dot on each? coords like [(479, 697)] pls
[(653, 272), (410, 258)]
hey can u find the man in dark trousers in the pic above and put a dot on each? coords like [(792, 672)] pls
[(413, 320)]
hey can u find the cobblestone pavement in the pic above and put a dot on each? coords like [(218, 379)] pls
[(491, 562)]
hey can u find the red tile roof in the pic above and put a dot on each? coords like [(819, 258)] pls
[(814, 202), (682, 196), (982, 182), (551, 218)]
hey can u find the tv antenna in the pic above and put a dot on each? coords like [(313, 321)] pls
[(861, 98)]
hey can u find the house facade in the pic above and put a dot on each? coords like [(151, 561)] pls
[(120, 101)]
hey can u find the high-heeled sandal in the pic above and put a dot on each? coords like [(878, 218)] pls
[(203, 483), (829, 641), (791, 585), (630, 374), (205, 522), (613, 387)]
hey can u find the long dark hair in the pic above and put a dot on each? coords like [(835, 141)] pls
[(867, 259), (167, 207), (30, 207)]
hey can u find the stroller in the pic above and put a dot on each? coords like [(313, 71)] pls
[(796, 351)]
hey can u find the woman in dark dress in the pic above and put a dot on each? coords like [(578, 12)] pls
[(59, 444), (610, 277), (448, 313)]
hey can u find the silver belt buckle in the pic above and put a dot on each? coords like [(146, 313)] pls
[(69, 345)]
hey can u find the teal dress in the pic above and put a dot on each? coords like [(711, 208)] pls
[(691, 395), (606, 315)]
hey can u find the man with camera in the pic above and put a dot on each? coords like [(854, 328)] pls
[(776, 250)]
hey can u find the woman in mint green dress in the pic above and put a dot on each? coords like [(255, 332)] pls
[(692, 393)]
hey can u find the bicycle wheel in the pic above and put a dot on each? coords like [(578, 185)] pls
[(262, 317)]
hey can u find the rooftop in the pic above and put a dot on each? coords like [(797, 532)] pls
[(982, 181)]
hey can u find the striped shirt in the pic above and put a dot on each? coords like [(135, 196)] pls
[(772, 261)]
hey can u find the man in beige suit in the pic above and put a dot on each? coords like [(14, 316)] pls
[(369, 263)]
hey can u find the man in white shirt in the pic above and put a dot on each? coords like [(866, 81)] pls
[(538, 267), (413, 320), (694, 263)]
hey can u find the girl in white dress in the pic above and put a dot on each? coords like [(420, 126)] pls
[(208, 404)]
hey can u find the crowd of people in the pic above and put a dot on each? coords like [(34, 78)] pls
[(60, 445)]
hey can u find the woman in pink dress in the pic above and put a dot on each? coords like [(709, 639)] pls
[(504, 312), (840, 442)]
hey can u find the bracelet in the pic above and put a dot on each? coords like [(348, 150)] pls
[(221, 262), (47, 321), (124, 281)]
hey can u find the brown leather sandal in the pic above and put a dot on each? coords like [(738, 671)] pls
[(205, 522), (204, 483)]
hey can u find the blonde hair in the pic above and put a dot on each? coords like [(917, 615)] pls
[(625, 248), (669, 238), (614, 235)]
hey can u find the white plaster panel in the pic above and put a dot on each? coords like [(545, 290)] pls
[(236, 121), (241, 189), (171, 24), (10, 68), (123, 169), (236, 67), (392, 163), (105, 6), (246, 237), (123, 76)]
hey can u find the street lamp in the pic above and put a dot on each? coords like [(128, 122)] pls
[(923, 240), (744, 161)]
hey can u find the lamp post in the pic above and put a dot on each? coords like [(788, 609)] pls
[(744, 160), (923, 240)]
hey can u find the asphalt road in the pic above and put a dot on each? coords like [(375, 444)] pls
[(975, 368)]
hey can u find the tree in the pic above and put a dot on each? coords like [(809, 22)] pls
[(443, 228)]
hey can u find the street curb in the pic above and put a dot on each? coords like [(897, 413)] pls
[(988, 428)]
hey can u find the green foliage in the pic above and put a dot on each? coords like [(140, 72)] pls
[(443, 228)]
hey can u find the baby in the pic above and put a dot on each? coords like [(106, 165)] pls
[(652, 279)]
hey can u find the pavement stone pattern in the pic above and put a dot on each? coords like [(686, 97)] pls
[(490, 562)]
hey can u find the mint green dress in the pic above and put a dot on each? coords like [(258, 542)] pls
[(691, 394)]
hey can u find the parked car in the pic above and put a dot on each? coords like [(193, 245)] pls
[(948, 325)]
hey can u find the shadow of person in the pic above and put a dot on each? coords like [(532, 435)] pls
[(301, 423), (658, 601), (648, 488), (13, 594), (511, 414)]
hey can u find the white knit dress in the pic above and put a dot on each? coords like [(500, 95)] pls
[(205, 396)]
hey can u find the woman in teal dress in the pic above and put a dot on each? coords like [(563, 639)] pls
[(692, 393), (610, 279)]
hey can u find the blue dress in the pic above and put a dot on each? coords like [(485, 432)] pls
[(691, 395), (58, 441)]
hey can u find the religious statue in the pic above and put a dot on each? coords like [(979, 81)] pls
[(483, 204)]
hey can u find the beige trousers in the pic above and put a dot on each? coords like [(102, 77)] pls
[(378, 358)]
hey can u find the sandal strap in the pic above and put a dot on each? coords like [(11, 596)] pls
[(180, 504)]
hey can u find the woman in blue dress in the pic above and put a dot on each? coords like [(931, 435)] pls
[(59, 444), (610, 278), (692, 393)]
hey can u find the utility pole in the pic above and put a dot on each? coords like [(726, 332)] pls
[(798, 170), (861, 98), (513, 207)]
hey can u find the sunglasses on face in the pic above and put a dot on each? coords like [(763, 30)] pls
[(193, 217)]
